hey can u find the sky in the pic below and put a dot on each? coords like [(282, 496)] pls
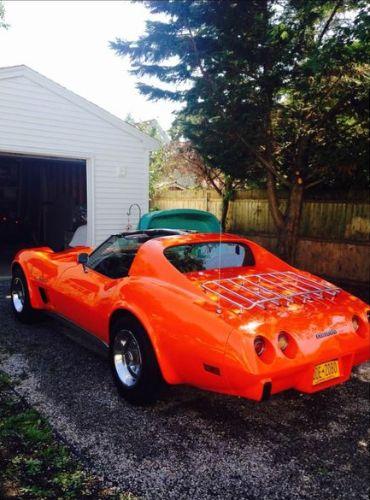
[(68, 41)]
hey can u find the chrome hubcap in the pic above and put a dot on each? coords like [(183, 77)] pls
[(18, 295), (127, 358)]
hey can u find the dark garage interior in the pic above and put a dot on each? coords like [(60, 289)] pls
[(42, 202)]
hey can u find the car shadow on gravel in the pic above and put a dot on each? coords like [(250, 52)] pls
[(192, 444)]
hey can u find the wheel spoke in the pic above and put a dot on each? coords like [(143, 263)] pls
[(124, 345), (133, 369), (127, 358), (18, 294)]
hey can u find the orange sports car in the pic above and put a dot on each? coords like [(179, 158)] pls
[(214, 311)]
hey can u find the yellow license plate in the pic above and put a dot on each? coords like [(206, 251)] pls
[(326, 371)]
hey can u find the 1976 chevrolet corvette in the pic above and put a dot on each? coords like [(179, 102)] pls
[(214, 311)]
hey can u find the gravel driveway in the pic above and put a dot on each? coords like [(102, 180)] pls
[(192, 444)]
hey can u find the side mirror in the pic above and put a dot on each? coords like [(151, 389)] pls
[(83, 258)]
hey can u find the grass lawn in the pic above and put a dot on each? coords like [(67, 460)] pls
[(34, 463)]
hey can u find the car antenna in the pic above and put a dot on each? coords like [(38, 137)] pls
[(219, 310)]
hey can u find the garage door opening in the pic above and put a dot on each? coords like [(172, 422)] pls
[(42, 202)]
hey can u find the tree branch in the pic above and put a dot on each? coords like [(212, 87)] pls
[(197, 55), (328, 22), (215, 186), (276, 213), (313, 183)]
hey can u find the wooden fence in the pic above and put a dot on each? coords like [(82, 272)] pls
[(334, 235)]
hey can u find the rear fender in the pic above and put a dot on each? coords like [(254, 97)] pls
[(168, 372)]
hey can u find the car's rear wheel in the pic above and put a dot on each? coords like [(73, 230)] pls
[(20, 298), (134, 365)]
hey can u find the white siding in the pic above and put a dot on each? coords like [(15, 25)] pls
[(36, 120)]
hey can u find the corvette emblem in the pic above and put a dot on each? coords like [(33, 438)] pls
[(327, 333)]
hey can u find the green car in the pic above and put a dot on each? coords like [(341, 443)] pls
[(181, 218)]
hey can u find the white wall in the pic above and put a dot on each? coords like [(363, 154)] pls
[(36, 120)]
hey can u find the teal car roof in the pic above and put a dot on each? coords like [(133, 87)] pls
[(181, 218)]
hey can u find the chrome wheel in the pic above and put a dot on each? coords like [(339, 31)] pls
[(18, 295), (127, 357)]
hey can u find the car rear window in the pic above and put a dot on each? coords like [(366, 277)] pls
[(206, 256)]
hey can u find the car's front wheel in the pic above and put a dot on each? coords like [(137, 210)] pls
[(20, 297), (134, 365)]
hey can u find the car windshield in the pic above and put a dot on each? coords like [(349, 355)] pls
[(114, 257), (210, 255)]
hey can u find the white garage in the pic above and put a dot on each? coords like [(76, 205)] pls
[(62, 160)]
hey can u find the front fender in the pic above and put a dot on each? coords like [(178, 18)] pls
[(31, 263)]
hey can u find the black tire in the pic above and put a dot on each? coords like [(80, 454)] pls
[(137, 386), (20, 298)]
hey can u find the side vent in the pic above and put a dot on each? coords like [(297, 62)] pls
[(43, 295), (212, 369)]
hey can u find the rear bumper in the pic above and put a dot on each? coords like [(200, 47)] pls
[(299, 378), (302, 379)]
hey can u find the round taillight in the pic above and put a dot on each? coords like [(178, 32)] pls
[(368, 315), (259, 345), (287, 344), (356, 323), (283, 341)]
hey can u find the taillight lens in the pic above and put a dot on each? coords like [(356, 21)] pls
[(259, 345), (356, 323), (287, 344), (368, 315), (283, 341), (359, 326)]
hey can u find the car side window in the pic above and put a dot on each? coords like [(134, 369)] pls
[(114, 257)]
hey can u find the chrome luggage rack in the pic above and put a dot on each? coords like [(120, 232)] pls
[(269, 289)]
